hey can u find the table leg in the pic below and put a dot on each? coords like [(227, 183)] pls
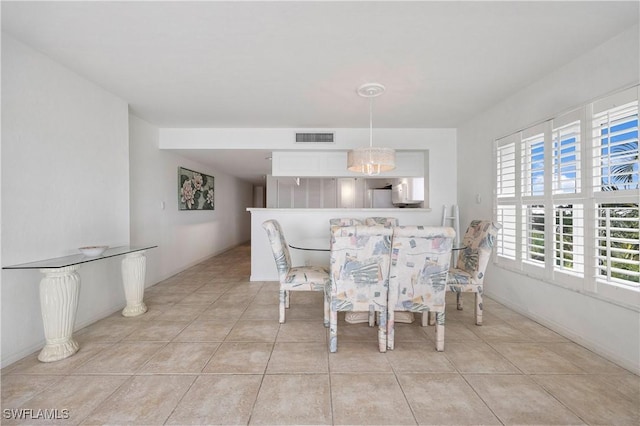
[(59, 290), (133, 272)]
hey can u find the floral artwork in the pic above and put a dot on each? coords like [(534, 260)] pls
[(195, 190)]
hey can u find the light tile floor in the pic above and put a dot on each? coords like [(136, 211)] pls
[(210, 351)]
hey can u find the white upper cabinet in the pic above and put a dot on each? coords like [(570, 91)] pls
[(334, 164)]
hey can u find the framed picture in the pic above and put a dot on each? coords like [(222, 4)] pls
[(195, 190)]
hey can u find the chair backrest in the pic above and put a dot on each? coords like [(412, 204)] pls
[(420, 258), (385, 221), (360, 257), (278, 246), (344, 221), (478, 243)]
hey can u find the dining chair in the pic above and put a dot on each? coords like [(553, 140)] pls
[(360, 317), (468, 275), (352, 317), (299, 278), (420, 258), (359, 263), (344, 221), (389, 222), (385, 221)]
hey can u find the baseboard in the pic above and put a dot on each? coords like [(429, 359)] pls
[(193, 263), (628, 364), (36, 347)]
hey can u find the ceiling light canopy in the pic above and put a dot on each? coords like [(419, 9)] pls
[(371, 160)]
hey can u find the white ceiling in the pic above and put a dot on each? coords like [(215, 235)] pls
[(298, 64)]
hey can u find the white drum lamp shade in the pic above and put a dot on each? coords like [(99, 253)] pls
[(371, 160)]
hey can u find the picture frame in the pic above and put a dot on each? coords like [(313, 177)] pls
[(196, 191)]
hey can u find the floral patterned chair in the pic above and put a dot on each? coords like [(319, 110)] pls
[(385, 221), (301, 278), (360, 257), (418, 275), (351, 317), (390, 222), (344, 221), (468, 275)]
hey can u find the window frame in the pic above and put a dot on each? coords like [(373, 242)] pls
[(584, 197)]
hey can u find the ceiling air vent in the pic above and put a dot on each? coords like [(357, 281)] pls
[(315, 138)]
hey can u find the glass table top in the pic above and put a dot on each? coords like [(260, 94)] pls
[(76, 259)]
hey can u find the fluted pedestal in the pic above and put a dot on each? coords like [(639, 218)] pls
[(133, 272), (59, 290)]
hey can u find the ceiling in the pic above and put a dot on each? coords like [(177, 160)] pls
[(298, 64)]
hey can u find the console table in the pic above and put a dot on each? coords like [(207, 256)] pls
[(60, 287)]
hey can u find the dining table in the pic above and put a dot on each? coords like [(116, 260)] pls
[(319, 244)]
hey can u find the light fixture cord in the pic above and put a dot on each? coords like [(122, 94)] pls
[(371, 122)]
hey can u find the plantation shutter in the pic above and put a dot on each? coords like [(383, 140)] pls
[(532, 161), (533, 227), (507, 190), (568, 239), (565, 153), (506, 244), (617, 244), (615, 142), (506, 168)]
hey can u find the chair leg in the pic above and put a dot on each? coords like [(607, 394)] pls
[(287, 299), (281, 306), (428, 318), (333, 330), (439, 331), (390, 329), (326, 307), (478, 308), (382, 331), (372, 317), (459, 300)]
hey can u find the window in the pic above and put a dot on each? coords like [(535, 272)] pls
[(533, 234), (507, 152), (533, 165), (565, 149), (615, 140), (506, 245), (506, 185), (617, 244), (568, 239), (573, 216)]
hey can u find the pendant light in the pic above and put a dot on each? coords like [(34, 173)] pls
[(371, 160)]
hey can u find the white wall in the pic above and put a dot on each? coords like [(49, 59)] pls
[(609, 329), (183, 237), (65, 184)]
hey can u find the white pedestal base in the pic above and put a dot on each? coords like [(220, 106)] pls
[(59, 290), (358, 317), (133, 272)]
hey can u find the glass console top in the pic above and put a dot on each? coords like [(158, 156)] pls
[(76, 259)]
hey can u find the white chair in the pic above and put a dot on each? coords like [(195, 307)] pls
[(384, 221), (344, 221), (468, 275), (300, 278), (418, 275), (360, 257)]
